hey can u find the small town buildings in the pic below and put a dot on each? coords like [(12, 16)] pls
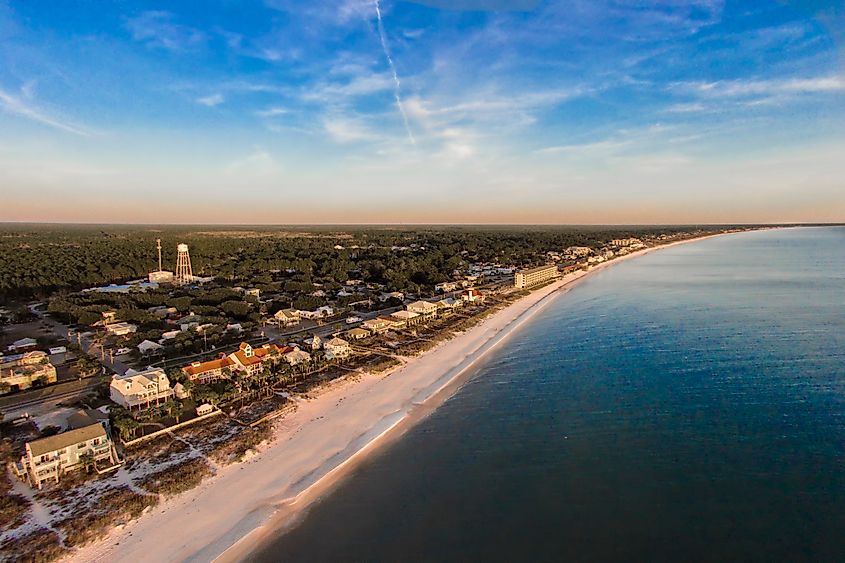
[(314, 342), (297, 356), (392, 295), (423, 308), (22, 345), (234, 327), (120, 329), (170, 334), (47, 459), (376, 326), (160, 276), (246, 359), (140, 390), (149, 347), (471, 295), (180, 392), (206, 372), (534, 276), (337, 348), (22, 370), (405, 318), (287, 317), (627, 242), (57, 350), (318, 313), (108, 317), (253, 292), (447, 306), (357, 334), (204, 409), (446, 287)]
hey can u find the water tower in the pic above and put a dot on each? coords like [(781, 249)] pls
[(183, 265)]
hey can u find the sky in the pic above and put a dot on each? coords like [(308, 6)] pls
[(427, 111)]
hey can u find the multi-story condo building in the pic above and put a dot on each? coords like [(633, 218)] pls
[(534, 276), (47, 459), (22, 370), (140, 390)]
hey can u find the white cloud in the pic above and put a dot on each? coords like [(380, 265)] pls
[(24, 108), (274, 111), (773, 87), (157, 29), (211, 100), (345, 130)]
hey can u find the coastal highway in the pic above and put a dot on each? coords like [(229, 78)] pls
[(54, 394)]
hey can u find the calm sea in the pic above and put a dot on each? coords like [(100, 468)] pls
[(687, 405)]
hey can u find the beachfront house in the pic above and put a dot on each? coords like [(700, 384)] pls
[(357, 334), (424, 309), (297, 356), (376, 326), (337, 348), (140, 390), (206, 372), (404, 319), (47, 459)]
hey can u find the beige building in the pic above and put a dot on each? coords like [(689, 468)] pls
[(287, 317), (357, 334), (423, 308), (337, 348), (140, 390), (405, 318), (22, 370), (534, 276), (48, 458), (297, 356), (376, 326)]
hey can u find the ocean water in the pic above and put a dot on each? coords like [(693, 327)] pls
[(683, 406)]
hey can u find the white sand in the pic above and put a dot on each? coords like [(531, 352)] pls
[(230, 514)]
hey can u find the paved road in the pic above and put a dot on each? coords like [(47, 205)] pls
[(57, 392), (86, 344)]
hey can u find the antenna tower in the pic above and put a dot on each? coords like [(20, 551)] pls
[(158, 247), (183, 265)]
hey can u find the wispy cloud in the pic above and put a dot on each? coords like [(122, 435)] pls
[(343, 129), (158, 29), (211, 100), (770, 87), (25, 108), (274, 111)]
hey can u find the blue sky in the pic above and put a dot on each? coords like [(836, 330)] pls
[(526, 111)]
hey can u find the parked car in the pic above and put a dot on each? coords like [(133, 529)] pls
[(353, 320)]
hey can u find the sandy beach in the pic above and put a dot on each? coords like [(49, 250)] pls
[(232, 513)]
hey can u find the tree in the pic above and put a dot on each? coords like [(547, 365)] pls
[(4, 387)]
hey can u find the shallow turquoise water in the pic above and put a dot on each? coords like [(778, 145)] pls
[(686, 405)]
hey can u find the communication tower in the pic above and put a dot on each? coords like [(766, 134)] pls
[(183, 265), (160, 276)]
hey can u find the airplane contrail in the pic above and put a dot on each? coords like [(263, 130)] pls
[(397, 89)]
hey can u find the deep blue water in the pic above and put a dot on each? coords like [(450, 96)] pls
[(683, 406)]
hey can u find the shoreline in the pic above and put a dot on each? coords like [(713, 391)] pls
[(317, 446)]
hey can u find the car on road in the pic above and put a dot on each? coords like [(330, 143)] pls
[(353, 320)]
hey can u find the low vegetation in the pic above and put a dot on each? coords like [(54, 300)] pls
[(177, 478), (40, 546)]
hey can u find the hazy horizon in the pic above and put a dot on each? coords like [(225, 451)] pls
[(423, 112)]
